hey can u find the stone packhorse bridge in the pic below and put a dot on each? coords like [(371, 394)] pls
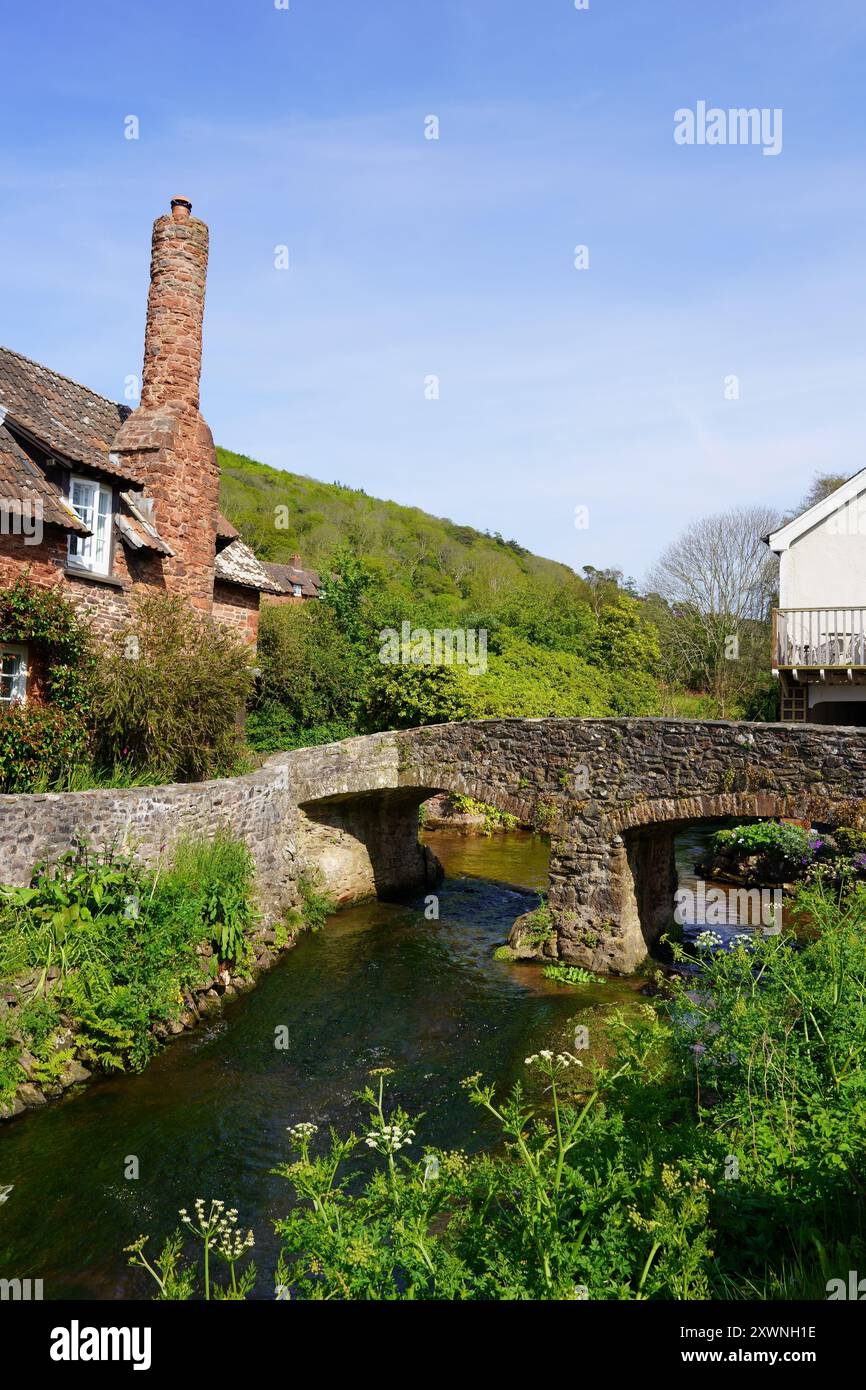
[(611, 793)]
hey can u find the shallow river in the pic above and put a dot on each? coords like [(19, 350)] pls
[(380, 985)]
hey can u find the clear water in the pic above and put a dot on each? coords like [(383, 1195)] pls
[(379, 986)]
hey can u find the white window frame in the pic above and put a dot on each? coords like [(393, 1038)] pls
[(18, 689), (94, 508), (297, 591)]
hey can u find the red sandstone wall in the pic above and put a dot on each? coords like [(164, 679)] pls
[(237, 610)]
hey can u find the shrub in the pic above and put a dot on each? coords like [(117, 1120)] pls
[(170, 692), (38, 743), (494, 819), (783, 850), (309, 668), (777, 1035), (850, 841), (316, 903), (124, 942), (211, 883), (404, 697), (272, 728), (44, 619)]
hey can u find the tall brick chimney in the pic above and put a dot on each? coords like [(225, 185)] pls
[(175, 309), (165, 441)]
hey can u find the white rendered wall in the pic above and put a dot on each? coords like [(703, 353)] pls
[(826, 568)]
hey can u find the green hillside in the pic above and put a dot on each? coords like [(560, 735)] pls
[(410, 552), (556, 643)]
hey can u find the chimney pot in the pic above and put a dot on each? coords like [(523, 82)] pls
[(180, 209)]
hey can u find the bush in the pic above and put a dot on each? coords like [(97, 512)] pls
[(38, 743), (850, 841), (404, 697), (123, 940), (522, 680), (170, 693), (211, 883), (44, 619), (777, 1035), (272, 729), (309, 668), (784, 850)]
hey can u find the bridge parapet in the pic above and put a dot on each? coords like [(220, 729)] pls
[(610, 792)]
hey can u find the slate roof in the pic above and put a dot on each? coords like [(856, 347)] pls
[(70, 420), (78, 427), (238, 565), (286, 576), (22, 481)]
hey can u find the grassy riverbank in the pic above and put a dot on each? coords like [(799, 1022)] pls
[(101, 960), (717, 1150)]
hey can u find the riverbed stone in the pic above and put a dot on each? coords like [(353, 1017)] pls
[(30, 1095)]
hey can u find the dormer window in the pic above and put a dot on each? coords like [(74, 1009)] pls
[(91, 502), (297, 591), (13, 674)]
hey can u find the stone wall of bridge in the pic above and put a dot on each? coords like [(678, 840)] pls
[(609, 792)]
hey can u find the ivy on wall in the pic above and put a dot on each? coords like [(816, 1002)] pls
[(42, 738), (45, 621)]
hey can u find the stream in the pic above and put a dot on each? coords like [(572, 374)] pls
[(379, 986)]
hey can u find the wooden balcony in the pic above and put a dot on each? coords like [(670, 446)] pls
[(819, 640)]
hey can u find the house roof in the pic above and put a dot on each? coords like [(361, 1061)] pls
[(138, 529), (67, 418), (237, 564), (21, 481), (784, 537), (287, 576)]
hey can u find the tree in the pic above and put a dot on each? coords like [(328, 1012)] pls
[(822, 485), (714, 588), (308, 665), (345, 590)]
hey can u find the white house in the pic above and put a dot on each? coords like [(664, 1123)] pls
[(819, 628)]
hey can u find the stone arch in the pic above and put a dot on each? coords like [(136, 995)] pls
[(745, 805)]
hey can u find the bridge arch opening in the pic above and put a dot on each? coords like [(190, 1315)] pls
[(369, 844)]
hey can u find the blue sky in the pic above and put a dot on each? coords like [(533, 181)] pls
[(602, 388)]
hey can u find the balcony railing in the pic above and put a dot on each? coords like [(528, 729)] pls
[(819, 638)]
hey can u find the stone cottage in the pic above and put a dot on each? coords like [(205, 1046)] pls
[(297, 584), (105, 501)]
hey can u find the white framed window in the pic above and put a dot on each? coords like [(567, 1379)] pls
[(297, 591), (91, 502), (13, 674)]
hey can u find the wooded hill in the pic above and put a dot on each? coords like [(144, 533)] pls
[(408, 550), (558, 643)]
